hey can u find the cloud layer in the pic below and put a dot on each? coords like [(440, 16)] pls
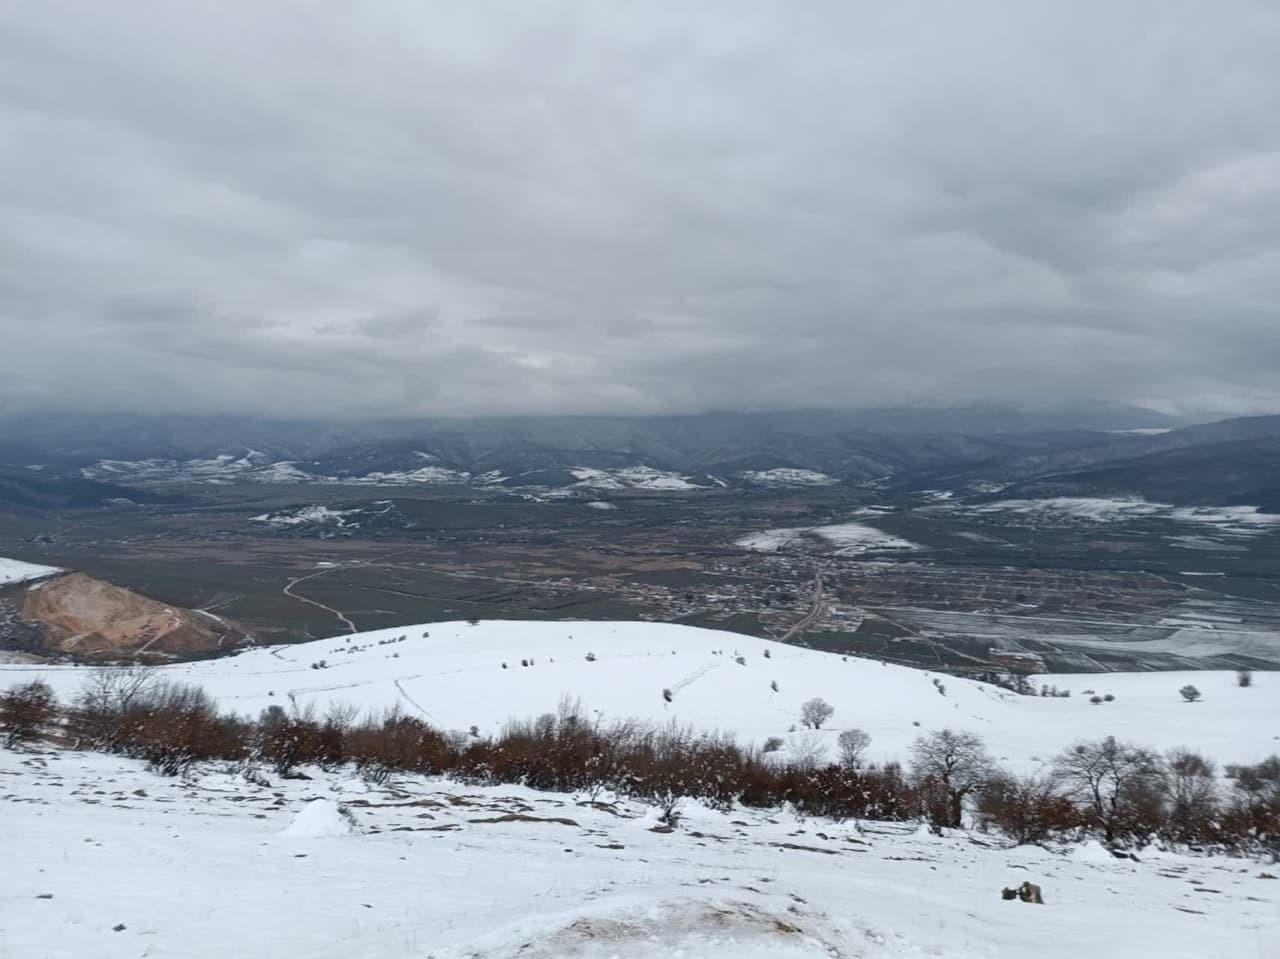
[(337, 209)]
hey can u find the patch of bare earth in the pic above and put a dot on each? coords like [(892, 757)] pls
[(89, 617)]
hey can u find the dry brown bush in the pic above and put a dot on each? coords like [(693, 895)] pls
[(27, 711), (1028, 809)]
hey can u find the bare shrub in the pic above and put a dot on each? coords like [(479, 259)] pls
[(179, 724), (289, 739), (1189, 693), (26, 711), (400, 743), (1244, 678), (840, 793), (1252, 820), (1027, 809)]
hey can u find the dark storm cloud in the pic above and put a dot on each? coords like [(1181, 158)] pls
[(418, 208)]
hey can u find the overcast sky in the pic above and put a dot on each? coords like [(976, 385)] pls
[(371, 208)]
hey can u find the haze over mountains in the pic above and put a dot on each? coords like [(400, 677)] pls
[(1104, 450)]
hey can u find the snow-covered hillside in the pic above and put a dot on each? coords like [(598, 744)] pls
[(16, 571), (105, 860), (456, 676), (847, 538)]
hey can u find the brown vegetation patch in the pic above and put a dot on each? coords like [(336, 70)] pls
[(521, 817)]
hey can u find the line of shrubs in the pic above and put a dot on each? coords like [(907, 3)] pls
[(1124, 794)]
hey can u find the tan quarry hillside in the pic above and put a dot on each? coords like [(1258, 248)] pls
[(89, 617)]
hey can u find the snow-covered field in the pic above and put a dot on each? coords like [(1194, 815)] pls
[(1083, 511), (848, 538), (306, 516), (631, 477), (787, 477), (105, 860), (453, 675), (14, 571)]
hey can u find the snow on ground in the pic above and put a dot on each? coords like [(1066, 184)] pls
[(785, 476), (422, 476), (103, 859), (321, 817), (1085, 511), (14, 571), (851, 537), (452, 675), (859, 538), (306, 516), (631, 477)]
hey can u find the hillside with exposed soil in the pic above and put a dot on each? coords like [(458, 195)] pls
[(88, 617)]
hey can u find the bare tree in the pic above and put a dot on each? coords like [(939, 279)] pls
[(1193, 800), (118, 687), (807, 752), (815, 712), (853, 745), (1189, 693), (1121, 785), (949, 766), (109, 696)]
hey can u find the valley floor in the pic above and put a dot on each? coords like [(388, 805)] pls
[(103, 859)]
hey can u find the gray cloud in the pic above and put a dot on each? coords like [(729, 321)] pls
[(422, 208)]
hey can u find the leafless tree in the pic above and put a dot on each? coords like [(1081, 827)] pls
[(815, 712), (949, 766), (807, 752), (104, 709), (1121, 785), (853, 745), (1193, 796)]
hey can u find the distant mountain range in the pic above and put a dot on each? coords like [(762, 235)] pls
[(973, 450)]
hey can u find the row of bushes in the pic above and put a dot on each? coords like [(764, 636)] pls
[(1123, 793)]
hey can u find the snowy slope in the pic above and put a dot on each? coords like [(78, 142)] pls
[(16, 571), (453, 675), (850, 538), (107, 861)]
